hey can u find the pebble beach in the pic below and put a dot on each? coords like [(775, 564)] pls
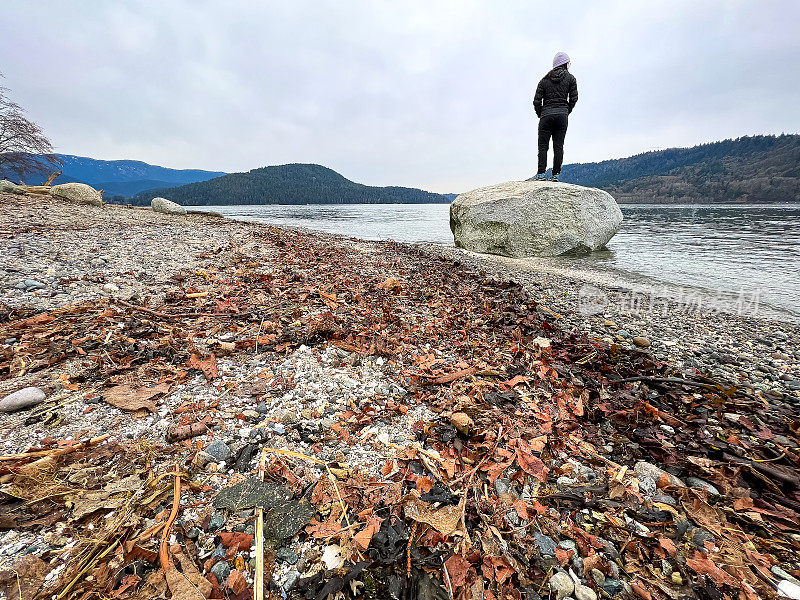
[(251, 341)]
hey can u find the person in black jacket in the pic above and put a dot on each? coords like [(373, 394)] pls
[(556, 96)]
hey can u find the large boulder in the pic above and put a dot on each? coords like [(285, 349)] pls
[(168, 207), (9, 187), (80, 193), (534, 218)]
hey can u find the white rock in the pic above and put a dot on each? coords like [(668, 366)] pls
[(534, 218), (168, 207), (583, 592), (79, 193), (787, 589), (24, 398), (332, 557), (562, 585)]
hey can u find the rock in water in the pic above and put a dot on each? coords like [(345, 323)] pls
[(534, 218), (24, 398), (168, 207), (79, 193)]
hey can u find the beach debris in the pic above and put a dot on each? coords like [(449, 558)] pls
[(497, 455)]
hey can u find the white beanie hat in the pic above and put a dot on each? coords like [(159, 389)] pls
[(561, 58)]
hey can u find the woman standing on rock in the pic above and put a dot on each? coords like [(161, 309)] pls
[(556, 96)]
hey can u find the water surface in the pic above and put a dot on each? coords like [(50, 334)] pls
[(752, 251)]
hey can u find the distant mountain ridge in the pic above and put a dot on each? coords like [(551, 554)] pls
[(116, 177), (296, 183), (762, 168)]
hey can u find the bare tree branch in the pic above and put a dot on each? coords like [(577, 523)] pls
[(24, 149)]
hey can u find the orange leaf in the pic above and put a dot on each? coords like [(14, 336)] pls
[(364, 537), (241, 541), (207, 365), (532, 465), (668, 545), (563, 556), (522, 508), (457, 568), (703, 565)]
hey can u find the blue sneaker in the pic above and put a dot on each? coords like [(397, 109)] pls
[(539, 177), (552, 177)]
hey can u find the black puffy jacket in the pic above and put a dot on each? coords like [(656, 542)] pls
[(556, 94)]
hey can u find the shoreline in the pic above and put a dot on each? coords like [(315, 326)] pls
[(408, 372)]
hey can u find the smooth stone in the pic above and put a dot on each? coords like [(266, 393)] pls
[(9, 187), (776, 570), (167, 207), (502, 486), (583, 592), (562, 585), (291, 578), (21, 399), (80, 193), (642, 342), (565, 482), (216, 522), (32, 283), (699, 483), (700, 537), (534, 218), (647, 485), (598, 577), (286, 555), (289, 418), (569, 545)]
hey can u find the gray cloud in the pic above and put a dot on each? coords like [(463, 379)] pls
[(435, 95)]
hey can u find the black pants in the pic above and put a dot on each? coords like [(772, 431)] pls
[(554, 126)]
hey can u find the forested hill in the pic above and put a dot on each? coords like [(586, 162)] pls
[(289, 184), (748, 169)]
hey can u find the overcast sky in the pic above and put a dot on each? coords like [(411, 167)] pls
[(427, 94)]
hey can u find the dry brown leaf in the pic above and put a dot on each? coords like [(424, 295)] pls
[(207, 365), (457, 568), (444, 519), (364, 537), (23, 580), (703, 565), (388, 284), (135, 398), (187, 584)]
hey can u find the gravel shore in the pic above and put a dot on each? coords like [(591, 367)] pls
[(738, 344), (391, 369)]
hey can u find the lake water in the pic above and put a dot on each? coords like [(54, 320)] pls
[(752, 251)]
